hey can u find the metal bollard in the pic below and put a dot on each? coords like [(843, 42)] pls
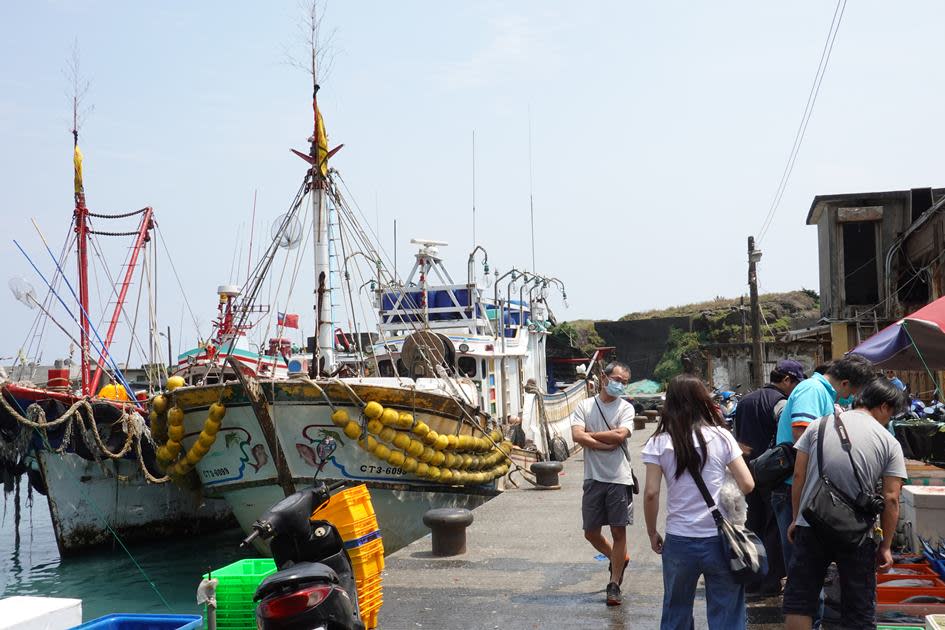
[(639, 423), (652, 415), (546, 474), (448, 526)]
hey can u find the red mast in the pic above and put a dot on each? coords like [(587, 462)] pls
[(80, 217)]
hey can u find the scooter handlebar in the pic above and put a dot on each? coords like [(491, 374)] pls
[(250, 538)]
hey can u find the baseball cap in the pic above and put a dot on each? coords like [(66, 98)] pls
[(791, 368)]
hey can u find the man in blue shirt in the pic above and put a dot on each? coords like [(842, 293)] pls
[(895, 380), (812, 399)]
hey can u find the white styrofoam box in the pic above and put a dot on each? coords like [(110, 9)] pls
[(935, 622), (40, 613), (924, 508)]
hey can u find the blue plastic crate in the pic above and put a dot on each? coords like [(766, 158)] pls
[(123, 621)]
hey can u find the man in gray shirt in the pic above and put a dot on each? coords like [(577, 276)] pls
[(877, 458), (602, 425)]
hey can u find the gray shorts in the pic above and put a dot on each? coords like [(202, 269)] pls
[(606, 504)]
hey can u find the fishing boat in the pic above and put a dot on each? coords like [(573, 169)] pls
[(79, 432), (421, 415)]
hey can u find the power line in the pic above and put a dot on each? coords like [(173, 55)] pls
[(805, 118)]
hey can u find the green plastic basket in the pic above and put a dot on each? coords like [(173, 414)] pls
[(236, 609)]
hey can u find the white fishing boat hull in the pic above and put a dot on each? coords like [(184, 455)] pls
[(90, 502), (242, 468)]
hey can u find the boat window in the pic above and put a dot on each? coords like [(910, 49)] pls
[(385, 368), (467, 366)]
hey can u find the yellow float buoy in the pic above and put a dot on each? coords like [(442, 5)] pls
[(367, 443), (173, 449), (431, 437), (211, 427), (387, 434), (410, 464), (422, 469), (396, 458), (175, 415), (452, 442), (174, 382), (217, 411), (159, 404), (340, 417), (390, 417), (353, 430), (438, 459), (421, 429), (405, 420), (175, 432), (402, 441), (415, 448), (426, 455), (374, 426), (373, 410), (442, 442), (381, 451)]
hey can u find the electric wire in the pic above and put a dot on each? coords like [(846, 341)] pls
[(805, 118)]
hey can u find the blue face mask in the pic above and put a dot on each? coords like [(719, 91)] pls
[(846, 401), (615, 389)]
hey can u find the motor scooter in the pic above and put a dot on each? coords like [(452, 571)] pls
[(314, 587)]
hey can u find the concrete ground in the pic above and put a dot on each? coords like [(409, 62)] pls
[(527, 565)]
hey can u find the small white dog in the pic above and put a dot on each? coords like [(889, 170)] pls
[(732, 502)]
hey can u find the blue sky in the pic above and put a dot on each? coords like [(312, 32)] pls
[(659, 132)]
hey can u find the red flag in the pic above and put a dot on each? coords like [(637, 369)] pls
[(288, 320)]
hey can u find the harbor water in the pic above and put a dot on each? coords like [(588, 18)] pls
[(150, 577)]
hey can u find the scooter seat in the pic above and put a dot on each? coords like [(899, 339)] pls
[(299, 574)]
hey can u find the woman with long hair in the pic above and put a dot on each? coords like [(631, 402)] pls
[(692, 439)]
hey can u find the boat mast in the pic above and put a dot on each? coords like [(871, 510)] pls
[(324, 352), (80, 219)]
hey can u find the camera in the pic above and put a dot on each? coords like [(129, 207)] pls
[(869, 504)]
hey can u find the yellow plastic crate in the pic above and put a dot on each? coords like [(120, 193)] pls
[(348, 506)]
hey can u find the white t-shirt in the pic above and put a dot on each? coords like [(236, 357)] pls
[(686, 511), (609, 466)]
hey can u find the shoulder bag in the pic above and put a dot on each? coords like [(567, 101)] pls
[(623, 447), (829, 510), (773, 467), (747, 558)]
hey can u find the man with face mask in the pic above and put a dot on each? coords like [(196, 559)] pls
[(812, 399), (602, 425)]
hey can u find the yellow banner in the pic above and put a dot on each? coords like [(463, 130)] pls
[(322, 147), (77, 162)]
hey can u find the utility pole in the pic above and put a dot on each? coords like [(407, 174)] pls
[(757, 361)]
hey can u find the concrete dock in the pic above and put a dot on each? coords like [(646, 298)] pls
[(527, 565)]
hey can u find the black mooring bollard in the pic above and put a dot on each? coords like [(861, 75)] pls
[(448, 526), (546, 474)]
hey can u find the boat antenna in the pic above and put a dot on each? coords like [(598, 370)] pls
[(531, 196), (474, 186), (252, 230)]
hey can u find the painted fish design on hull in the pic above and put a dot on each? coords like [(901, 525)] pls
[(259, 456)]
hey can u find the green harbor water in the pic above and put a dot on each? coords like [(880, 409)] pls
[(107, 580)]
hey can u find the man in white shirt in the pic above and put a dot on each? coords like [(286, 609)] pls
[(602, 425)]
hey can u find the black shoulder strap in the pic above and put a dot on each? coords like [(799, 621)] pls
[(848, 447), (623, 445), (700, 483), (844, 444)]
